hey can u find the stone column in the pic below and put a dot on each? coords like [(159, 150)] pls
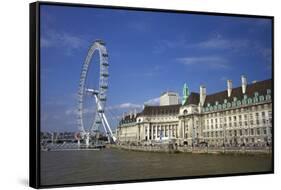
[(172, 130), (176, 131), (169, 131), (162, 130), (149, 132), (156, 131), (147, 127)]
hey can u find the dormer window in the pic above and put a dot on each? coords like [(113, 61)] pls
[(256, 94), (234, 99), (208, 104), (268, 91), (185, 112), (245, 96), (225, 101)]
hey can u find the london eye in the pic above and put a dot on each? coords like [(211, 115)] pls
[(95, 93)]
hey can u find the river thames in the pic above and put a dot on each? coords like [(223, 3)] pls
[(68, 167)]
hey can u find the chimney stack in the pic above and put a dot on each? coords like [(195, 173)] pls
[(202, 94), (229, 87), (244, 84)]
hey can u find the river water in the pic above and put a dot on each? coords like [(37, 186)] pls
[(68, 167)]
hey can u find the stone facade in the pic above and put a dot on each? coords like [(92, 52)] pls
[(235, 117)]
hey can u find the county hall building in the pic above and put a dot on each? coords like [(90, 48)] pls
[(240, 116)]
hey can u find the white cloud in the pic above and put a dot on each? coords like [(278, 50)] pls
[(126, 105), (129, 105), (153, 101), (222, 43), (217, 43), (217, 62), (53, 38), (73, 111)]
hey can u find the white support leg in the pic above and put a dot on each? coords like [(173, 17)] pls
[(103, 118), (103, 124), (110, 131)]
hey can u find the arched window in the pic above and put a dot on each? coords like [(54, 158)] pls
[(256, 99), (215, 107), (238, 103), (185, 111), (250, 100), (228, 104)]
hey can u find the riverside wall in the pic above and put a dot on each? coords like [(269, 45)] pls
[(170, 148)]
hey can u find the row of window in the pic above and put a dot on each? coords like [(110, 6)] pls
[(162, 128), (240, 110), (258, 116), (241, 132), (165, 112), (242, 140), (240, 124)]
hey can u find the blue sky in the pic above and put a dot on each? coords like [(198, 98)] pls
[(149, 52)]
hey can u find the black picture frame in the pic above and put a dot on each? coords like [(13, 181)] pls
[(34, 91)]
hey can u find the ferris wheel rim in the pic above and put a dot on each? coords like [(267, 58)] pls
[(98, 46)]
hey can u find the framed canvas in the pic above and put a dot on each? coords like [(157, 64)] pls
[(121, 94)]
